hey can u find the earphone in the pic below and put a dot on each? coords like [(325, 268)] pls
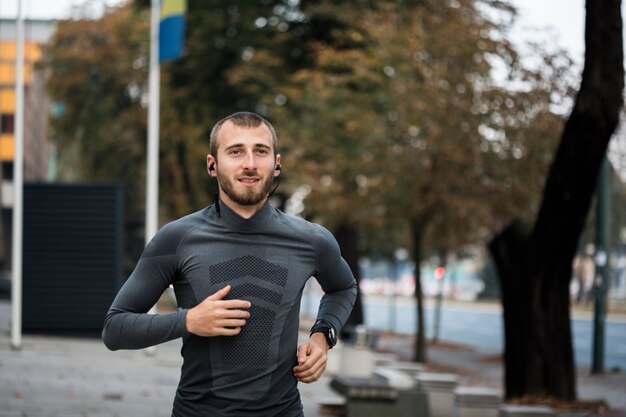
[(278, 168)]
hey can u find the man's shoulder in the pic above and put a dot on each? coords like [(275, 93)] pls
[(169, 236), (185, 224), (313, 232)]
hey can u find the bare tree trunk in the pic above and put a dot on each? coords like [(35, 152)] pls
[(348, 240), (535, 269), (418, 227), (519, 288)]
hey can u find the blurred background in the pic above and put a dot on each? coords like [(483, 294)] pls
[(414, 131)]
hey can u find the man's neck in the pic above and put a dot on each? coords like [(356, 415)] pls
[(245, 211)]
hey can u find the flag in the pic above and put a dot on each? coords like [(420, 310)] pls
[(172, 29)]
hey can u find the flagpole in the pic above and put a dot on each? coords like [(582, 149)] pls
[(152, 163), (18, 184), (152, 174)]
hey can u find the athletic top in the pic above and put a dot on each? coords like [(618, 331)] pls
[(266, 259)]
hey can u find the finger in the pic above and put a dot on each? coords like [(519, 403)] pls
[(230, 323), (313, 362), (312, 374), (310, 378), (304, 367), (235, 314), (303, 352), (310, 367), (225, 331), (220, 294), (235, 304)]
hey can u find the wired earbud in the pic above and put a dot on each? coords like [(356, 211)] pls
[(211, 167), (279, 169)]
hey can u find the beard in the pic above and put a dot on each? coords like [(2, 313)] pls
[(246, 196)]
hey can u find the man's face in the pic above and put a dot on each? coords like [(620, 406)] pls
[(245, 163)]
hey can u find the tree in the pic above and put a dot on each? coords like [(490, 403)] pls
[(97, 75), (97, 72), (457, 136), (393, 121), (300, 102), (535, 265)]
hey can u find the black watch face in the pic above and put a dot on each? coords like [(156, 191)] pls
[(332, 336)]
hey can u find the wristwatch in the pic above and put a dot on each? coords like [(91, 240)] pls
[(328, 330)]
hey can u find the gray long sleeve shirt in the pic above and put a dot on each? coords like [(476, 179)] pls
[(266, 259)]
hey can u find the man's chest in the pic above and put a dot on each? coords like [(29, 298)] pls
[(267, 270)]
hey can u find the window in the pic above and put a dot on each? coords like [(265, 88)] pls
[(7, 124)]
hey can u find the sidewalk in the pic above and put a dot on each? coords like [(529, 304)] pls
[(71, 377), (482, 368), (53, 376)]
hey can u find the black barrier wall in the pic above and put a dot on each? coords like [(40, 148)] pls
[(72, 259)]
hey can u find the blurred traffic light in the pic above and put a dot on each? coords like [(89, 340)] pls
[(440, 271)]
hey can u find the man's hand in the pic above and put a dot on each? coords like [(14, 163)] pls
[(218, 317), (312, 359)]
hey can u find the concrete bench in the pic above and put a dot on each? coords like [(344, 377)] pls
[(476, 402), (439, 389), (526, 411), (355, 361), (367, 397), (410, 368), (395, 378)]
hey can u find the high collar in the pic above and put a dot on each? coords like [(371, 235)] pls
[(234, 221)]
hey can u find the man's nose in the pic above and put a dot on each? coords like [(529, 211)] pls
[(249, 161)]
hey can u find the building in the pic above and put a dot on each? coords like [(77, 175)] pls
[(36, 111)]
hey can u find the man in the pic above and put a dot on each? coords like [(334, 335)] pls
[(238, 269)]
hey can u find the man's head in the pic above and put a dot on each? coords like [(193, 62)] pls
[(241, 119), (243, 158)]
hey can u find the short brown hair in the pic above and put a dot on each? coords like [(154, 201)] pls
[(241, 119)]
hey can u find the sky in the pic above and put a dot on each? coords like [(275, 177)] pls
[(563, 18), (47, 9)]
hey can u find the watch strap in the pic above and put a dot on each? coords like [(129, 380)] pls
[(328, 330)]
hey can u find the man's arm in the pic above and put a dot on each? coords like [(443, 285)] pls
[(127, 324), (339, 285), (337, 282)]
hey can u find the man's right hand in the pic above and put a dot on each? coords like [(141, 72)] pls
[(218, 317)]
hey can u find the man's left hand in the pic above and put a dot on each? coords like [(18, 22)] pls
[(311, 359)]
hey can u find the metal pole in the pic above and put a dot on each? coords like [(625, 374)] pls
[(437, 318), (18, 184), (602, 268), (152, 167), (152, 164), (394, 299)]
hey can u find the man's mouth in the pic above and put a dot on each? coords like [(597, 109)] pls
[(249, 180)]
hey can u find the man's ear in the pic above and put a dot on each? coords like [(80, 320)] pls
[(277, 167), (210, 165)]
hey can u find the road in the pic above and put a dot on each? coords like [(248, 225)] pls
[(480, 325)]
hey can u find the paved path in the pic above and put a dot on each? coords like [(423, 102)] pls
[(484, 368), (55, 376), (78, 377)]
